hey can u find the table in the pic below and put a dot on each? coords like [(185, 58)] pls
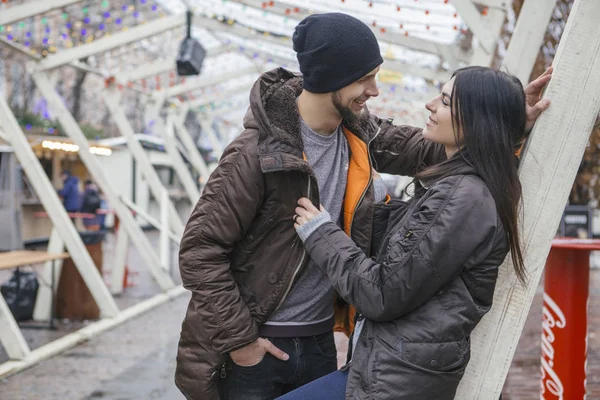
[(18, 258), (564, 318)]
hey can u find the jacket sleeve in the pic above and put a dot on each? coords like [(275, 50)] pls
[(228, 205), (402, 150), (447, 233)]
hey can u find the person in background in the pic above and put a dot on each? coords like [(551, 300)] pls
[(70, 192), (90, 203)]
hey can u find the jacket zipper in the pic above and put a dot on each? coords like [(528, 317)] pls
[(370, 180), (289, 286)]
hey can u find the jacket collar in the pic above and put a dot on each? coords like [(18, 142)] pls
[(274, 113)]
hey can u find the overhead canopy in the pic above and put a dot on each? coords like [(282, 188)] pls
[(422, 42)]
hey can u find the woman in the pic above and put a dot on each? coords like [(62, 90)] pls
[(435, 268)]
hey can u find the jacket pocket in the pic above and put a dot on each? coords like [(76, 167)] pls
[(439, 357), (258, 230), (424, 371)]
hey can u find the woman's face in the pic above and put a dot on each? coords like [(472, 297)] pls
[(439, 127)]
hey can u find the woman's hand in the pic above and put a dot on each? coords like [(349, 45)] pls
[(305, 212), (533, 95)]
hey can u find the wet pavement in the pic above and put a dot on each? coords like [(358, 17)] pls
[(136, 360)]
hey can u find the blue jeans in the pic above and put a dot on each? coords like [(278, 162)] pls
[(330, 387), (311, 357)]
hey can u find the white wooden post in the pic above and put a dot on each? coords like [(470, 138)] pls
[(43, 302), (111, 99), (166, 131), (207, 129), (493, 22), (118, 271), (547, 172), (10, 334), (194, 154), (56, 211), (165, 246), (527, 38), (128, 223)]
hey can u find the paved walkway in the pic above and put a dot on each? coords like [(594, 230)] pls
[(135, 360)]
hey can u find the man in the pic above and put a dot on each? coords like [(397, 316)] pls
[(70, 191), (260, 319), (90, 203)]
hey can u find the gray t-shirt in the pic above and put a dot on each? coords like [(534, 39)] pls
[(308, 307)]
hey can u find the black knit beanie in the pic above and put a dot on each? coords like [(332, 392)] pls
[(334, 50)]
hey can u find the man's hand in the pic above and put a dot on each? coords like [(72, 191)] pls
[(253, 353), (533, 94)]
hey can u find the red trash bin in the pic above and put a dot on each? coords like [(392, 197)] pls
[(564, 318)]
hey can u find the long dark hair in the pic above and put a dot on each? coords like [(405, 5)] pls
[(489, 107)]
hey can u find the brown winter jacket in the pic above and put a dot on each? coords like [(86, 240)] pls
[(430, 284), (240, 253)]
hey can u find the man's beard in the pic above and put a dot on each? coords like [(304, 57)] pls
[(346, 112)]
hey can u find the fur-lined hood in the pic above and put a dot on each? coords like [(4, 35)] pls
[(274, 113)]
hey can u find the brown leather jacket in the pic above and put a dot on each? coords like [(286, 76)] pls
[(240, 253)]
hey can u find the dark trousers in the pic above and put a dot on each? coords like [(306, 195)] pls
[(330, 387), (311, 357)]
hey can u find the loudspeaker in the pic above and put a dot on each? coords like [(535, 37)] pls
[(191, 53)]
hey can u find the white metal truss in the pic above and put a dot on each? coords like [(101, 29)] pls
[(92, 164), (282, 7), (176, 117), (527, 38), (9, 332), (166, 131), (32, 8), (160, 67), (112, 101), (107, 43)]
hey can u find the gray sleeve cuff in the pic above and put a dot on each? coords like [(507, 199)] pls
[(379, 189), (308, 228)]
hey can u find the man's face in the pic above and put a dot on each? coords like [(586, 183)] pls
[(350, 100)]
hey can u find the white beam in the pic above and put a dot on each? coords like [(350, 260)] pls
[(396, 38), (216, 26), (43, 302), (548, 168), (207, 129), (111, 100), (398, 66), (188, 143), (222, 96), (165, 131), (32, 8), (478, 24), (495, 21), (120, 263), (161, 66), (499, 4), (116, 40), (95, 169), (528, 37), (11, 337), (204, 81), (56, 211), (405, 68)]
